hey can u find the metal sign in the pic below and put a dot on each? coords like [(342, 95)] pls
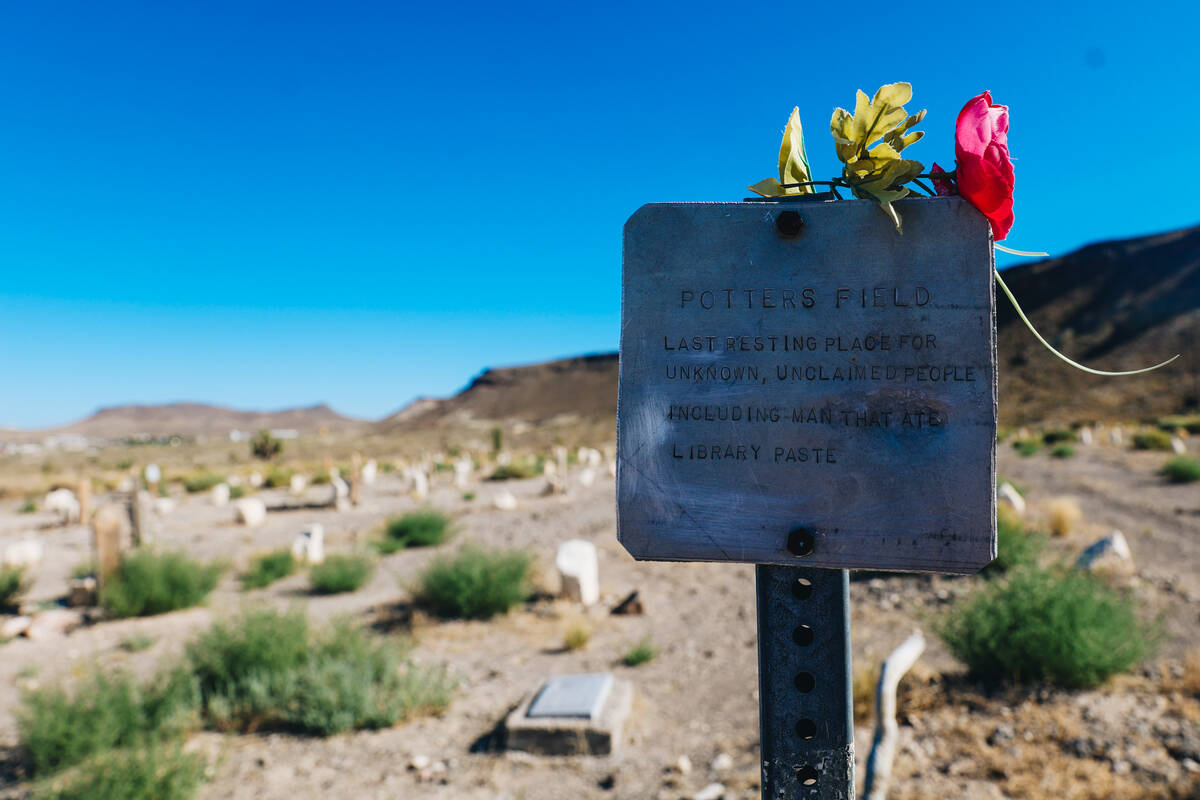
[(801, 384)]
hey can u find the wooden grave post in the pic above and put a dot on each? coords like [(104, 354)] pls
[(806, 389)]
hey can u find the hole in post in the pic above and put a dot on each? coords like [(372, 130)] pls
[(807, 774), (805, 681), (802, 635), (801, 542), (806, 729), (802, 588)]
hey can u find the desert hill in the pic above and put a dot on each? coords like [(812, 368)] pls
[(1115, 305), (191, 419)]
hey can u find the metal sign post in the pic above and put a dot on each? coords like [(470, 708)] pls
[(805, 389)]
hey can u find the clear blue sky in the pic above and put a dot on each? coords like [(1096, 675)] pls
[(274, 204)]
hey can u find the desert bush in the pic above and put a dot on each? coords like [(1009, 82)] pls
[(468, 496), (148, 582), (497, 439), (1063, 451), (640, 653), (137, 643), (1189, 423), (1065, 514), (424, 528), (517, 470), (270, 669), (862, 689), (28, 507), (1152, 440), (577, 637), (1063, 627), (475, 583), (237, 492), (1015, 546), (1181, 469), (1027, 447), (157, 772), (321, 477), (265, 446), (202, 481), (12, 583), (268, 568), (1059, 436), (58, 730), (340, 573), (279, 478), (84, 569)]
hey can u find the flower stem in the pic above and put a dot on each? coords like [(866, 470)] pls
[(1046, 344)]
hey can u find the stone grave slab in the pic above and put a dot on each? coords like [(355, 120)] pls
[(572, 715)]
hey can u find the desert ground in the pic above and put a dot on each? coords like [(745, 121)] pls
[(695, 714)]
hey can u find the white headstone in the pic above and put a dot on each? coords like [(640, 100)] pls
[(256, 479), (1115, 437), (64, 503), (220, 495), (462, 472), (587, 476), (341, 492), (420, 482), (164, 506), (1008, 494), (560, 457), (250, 511), (505, 500), (309, 547), (1085, 436), (153, 473), (504, 458), (549, 469), (1178, 446), (579, 567), (298, 484), (370, 472)]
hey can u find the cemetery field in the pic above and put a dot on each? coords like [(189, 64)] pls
[(690, 656)]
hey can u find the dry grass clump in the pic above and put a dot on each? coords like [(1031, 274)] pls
[(1065, 515), (577, 637)]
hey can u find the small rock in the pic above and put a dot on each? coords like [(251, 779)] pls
[(631, 605), (683, 765), (1002, 735), (714, 791), (1189, 765), (164, 506), (1111, 554), (722, 763), (1121, 767), (505, 501), (419, 762), (14, 626)]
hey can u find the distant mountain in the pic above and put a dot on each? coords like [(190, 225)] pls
[(1115, 306), (191, 419), (583, 386)]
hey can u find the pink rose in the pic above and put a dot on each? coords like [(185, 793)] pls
[(985, 171)]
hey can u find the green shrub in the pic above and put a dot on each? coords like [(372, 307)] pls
[(137, 643), (157, 772), (1063, 451), (237, 492), (1059, 436), (424, 528), (321, 477), (1015, 546), (202, 482), (1180, 469), (28, 507), (640, 653), (58, 730), (340, 573), (1152, 440), (148, 582), (269, 669), (1063, 627), (497, 439), (1189, 423), (266, 569), (517, 470), (84, 569), (12, 582), (265, 446), (1027, 447), (279, 478), (468, 496), (475, 583)]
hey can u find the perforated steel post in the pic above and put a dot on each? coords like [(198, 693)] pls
[(806, 722)]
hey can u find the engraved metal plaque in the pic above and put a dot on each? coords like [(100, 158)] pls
[(819, 392)]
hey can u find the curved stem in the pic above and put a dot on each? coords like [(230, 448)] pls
[(1046, 344), (1030, 253)]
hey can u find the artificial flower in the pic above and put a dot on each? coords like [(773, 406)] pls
[(985, 171)]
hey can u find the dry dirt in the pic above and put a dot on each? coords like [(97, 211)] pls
[(1137, 737)]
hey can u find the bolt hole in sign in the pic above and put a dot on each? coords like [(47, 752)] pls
[(836, 377)]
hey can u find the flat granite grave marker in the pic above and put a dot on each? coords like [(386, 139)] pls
[(833, 377), (571, 715)]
